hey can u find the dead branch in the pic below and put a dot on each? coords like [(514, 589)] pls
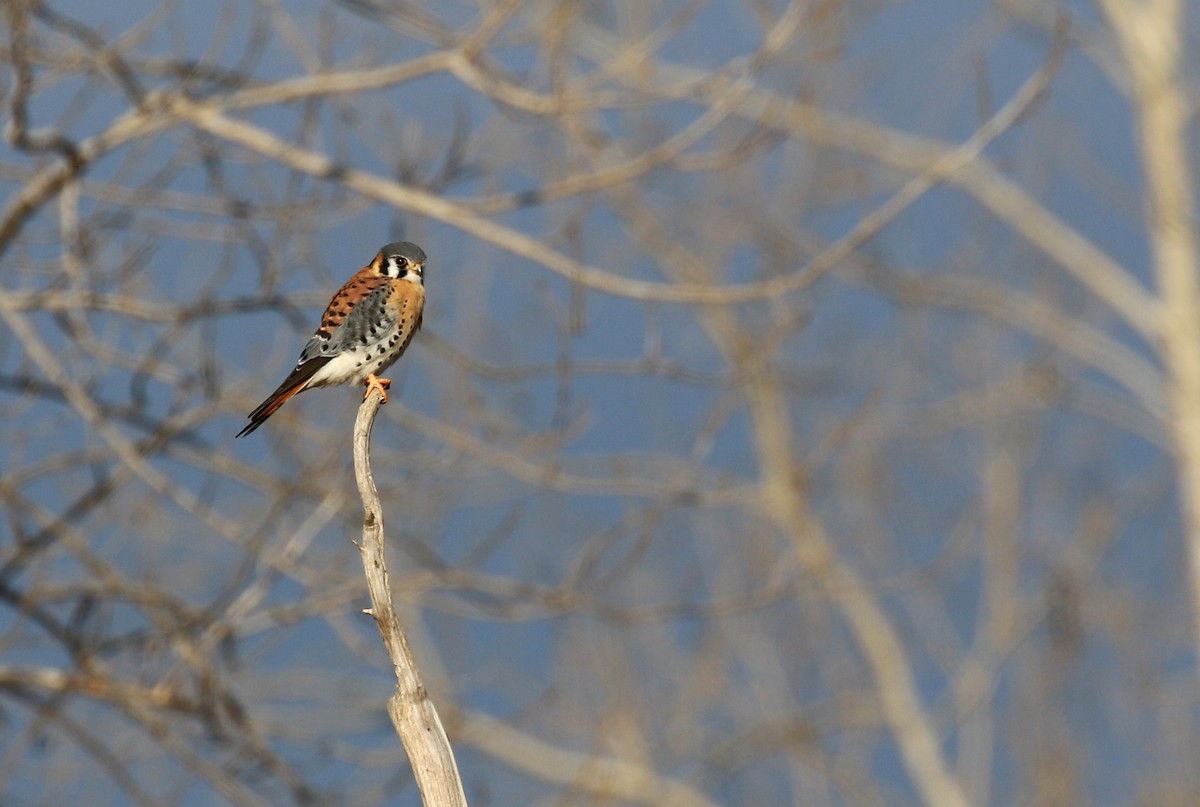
[(412, 712)]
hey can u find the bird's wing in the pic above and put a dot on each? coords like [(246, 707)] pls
[(348, 315), (293, 384), (351, 319)]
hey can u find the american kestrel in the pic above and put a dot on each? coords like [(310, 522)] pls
[(366, 326)]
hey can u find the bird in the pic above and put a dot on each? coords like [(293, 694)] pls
[(366, 326)]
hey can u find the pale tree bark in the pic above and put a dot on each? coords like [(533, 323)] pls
[(410, 707), (1150, 36)]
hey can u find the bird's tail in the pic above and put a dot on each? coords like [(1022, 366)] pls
[(295, 383)]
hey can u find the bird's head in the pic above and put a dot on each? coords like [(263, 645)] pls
[(403, 260)]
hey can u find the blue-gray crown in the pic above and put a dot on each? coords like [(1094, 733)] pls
[(404, 249)]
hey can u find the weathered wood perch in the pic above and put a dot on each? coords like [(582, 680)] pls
[(412, 712)]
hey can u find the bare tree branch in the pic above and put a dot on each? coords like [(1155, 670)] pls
[(1150, 35), (412, 711)]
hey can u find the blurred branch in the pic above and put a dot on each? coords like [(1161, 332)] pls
[(766, 522), (1076, 338), (47, 182), (783, 501), (412, 711), (406, 197), (1029, 218), (90, 412), (1150, 37), (18, 132), (605, 779)]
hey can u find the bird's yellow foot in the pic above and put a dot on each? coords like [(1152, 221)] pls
[(381, 384)]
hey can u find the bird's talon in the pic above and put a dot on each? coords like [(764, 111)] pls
[(381, 384)]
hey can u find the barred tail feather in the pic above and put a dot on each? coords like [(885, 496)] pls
[(294, 384)]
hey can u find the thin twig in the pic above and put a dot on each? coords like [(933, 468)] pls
[(412, 712)]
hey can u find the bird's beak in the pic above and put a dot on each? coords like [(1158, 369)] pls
[(419, 268)]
